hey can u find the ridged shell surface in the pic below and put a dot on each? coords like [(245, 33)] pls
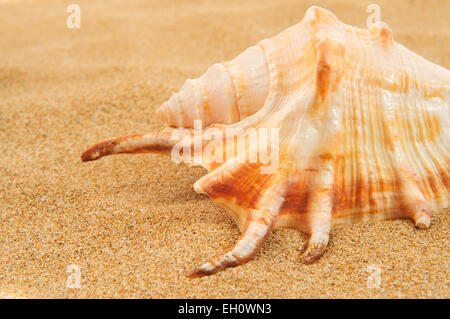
[(362, 126)]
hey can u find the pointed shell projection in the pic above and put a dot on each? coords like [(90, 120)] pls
[(362, 126)]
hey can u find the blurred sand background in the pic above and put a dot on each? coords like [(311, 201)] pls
[(133, 224)]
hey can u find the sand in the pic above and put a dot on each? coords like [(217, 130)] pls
[(132, 224)]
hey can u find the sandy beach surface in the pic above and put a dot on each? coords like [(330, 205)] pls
[(132, 225)]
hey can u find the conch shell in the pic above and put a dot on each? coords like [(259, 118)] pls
[(362, 126)]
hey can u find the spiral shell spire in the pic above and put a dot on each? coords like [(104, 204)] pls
[(226, 93)]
